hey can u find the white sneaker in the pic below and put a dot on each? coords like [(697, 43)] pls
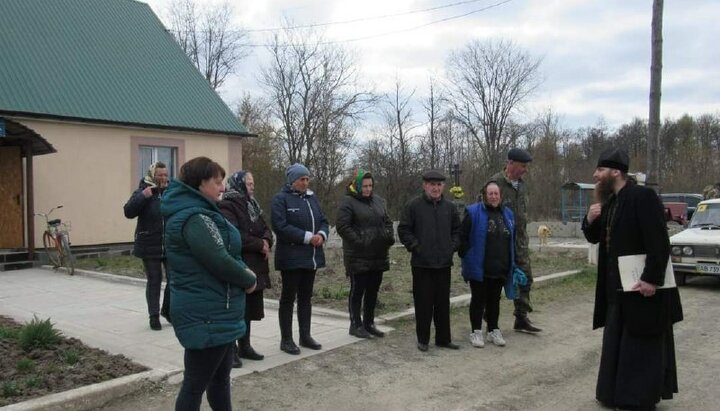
[(495, 337), (476, 339)]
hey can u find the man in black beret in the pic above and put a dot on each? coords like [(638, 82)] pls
[(637, 364), (430, 229), (514, 194)]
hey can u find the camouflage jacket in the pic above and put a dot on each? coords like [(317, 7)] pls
[(516, 200)]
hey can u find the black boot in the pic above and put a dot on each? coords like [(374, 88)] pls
[(308, 342), (237, 362), (155, 323), (359, 331), (244, 347), (373, 330), (523, 324), (304, 314), (286, 338)]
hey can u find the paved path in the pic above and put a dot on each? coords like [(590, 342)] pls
[(112, 315)]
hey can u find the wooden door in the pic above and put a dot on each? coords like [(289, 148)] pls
[(11, 198)]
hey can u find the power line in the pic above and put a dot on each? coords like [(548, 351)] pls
[(361, 19), (390, 32)]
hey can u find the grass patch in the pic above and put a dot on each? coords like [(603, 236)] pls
[(126, 265), (25, 365), (9, 333), (38, 334), (70, 356)]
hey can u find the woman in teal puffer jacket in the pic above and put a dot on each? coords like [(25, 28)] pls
[(208, 282)]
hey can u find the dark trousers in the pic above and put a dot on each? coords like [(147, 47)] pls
[(522, 302), (296, 283), (431, 295), (206, 369), (364, 289), (485, 298), (154, 275)]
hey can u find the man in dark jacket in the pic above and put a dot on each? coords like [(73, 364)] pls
[(367, 234), (637, 365), (430, 230), (145, 205), (301, 230)]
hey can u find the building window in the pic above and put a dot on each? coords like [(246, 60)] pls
[(151, 154), (146, 150)]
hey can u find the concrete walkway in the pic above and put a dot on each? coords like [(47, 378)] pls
[(111, 314)]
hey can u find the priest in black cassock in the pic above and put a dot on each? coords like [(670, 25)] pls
[(637, 365)]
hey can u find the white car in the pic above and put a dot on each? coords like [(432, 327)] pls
[(696, 250)]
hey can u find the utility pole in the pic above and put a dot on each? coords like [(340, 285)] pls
[(653, 144)]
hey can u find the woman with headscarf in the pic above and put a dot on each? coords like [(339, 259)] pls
[(242, 210), (301, 230), (208, 282), (367, 234), (144, 204)]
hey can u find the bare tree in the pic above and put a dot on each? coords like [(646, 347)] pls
[(653, 155), (433, 110), (315, 97), (488, 81), (209, 38)]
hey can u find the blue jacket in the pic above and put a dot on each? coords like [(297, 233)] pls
[(295, 218), (473, 262), (207, 276)]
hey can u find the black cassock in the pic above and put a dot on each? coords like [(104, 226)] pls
[(637, 365)]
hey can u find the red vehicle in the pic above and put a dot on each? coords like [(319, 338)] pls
[(676, 212)]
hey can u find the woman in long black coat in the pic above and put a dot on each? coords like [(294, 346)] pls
[(367, 234), (242, 210)]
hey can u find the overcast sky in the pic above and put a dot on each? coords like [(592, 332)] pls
[(595, 54)]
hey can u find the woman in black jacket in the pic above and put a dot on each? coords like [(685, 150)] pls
[(241, 208), (145, 205), (367, 234)]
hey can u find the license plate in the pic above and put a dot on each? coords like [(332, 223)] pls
[(708, 268)]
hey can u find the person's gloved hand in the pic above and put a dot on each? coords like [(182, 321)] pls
[(519, 277)]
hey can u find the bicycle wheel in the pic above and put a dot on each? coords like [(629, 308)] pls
[(51, 249), (68, 261)]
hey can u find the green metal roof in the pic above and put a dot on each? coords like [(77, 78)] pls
[(107, 61)]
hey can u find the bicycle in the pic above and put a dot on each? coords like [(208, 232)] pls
[(56, 240)]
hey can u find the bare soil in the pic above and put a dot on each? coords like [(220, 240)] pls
[(554, 370), (69, 364)]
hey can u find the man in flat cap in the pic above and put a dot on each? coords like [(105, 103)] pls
[(637, 364), (430, 229), (514, 194)]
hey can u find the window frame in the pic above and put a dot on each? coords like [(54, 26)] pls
[(137, 142)]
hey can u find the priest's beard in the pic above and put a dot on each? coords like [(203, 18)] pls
[(604, 188)]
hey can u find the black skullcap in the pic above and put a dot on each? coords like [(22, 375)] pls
[(433, 175), (520, 155), (616, 158)]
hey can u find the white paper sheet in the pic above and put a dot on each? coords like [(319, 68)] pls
[(632, 266)]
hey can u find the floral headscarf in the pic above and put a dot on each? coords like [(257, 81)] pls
[(236, 188)]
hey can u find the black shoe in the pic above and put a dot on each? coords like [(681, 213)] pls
[(247, 351), (309, 342), (155, 323), (374, 331), (450, 345), (166, 315), (422, 347), (523, 324), (359, 332), (289, 347), (237, 362)]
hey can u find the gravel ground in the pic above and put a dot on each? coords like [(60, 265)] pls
[(554, 370)]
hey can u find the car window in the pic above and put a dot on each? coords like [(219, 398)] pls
[(692, 201), (706, 214), (670, 199)]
